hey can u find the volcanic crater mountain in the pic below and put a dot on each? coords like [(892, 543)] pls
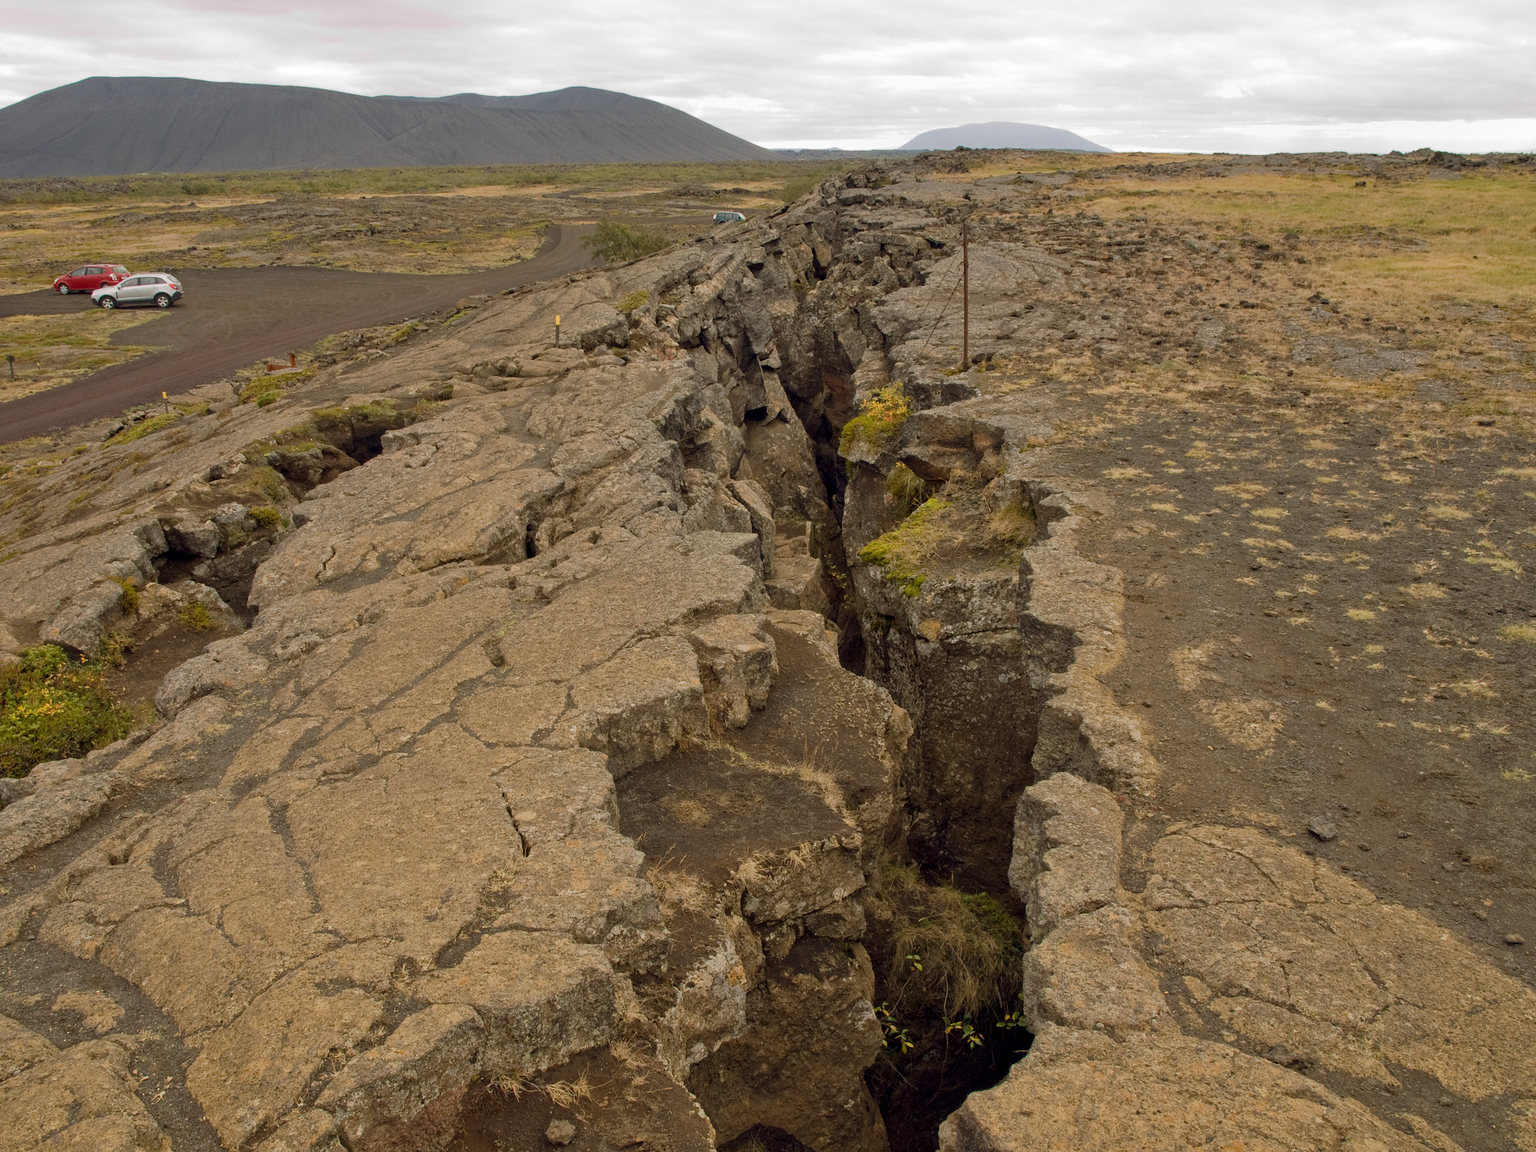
[(1003, 134), (107, 125)]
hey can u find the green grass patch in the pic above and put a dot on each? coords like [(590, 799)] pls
[(144, 428), (910, 547), (54, 706)]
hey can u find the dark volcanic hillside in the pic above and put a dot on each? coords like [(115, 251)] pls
[(108, 125)]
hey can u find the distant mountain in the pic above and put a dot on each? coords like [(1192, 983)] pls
[(108, 126), (1004, 134)]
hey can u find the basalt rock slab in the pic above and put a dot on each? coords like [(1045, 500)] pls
[(533, 763), (1083, 1090)]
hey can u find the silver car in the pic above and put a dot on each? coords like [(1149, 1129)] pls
[(158, 288)]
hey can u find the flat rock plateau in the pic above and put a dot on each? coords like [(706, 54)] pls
[(566, 702)]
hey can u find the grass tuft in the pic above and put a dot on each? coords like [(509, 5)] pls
[(908, 490), (144, 428), (954, 954), (128, 602), (266, 516)]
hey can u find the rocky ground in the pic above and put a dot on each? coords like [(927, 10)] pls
[(462, 230), (532, 795)]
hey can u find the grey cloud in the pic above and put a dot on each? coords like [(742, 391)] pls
[(1193, 75)]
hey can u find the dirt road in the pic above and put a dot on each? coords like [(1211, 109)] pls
[(232, 317)]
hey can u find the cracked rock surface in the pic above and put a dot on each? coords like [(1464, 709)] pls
[(539, 764)]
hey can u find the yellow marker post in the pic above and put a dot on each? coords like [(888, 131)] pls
[(557, 329), (166, 400)]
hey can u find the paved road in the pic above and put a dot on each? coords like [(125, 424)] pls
[(232, 317)]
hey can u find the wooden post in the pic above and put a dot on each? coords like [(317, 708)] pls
[(965, 295), (10, 362)]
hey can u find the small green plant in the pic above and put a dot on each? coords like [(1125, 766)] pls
[(967, 1032), (266, 516), (128, 601), (195, 616), (892, 1033), (53, 706), (634, 301), (880, 420), (617, 242)]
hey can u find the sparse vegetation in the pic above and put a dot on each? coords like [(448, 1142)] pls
[(634, 301), (381, 181), (266, 388), (54, 706), (52, 350), (195, 616), (266, 516), (144, 428), (798, 187), (617, 242), (908, 548), (880, 420), (561, 1093), (908, 490), (954, 955)]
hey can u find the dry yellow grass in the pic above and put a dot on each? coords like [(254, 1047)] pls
[(1413, 241)]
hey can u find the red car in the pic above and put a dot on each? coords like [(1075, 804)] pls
[(89, 277)]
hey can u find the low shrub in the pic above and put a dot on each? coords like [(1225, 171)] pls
[(195, 616), (880, 420), (620, 242), (54, 706)]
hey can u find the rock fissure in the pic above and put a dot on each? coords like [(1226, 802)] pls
[(659, 747)]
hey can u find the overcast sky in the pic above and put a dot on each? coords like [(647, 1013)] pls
[(1200, 75)]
